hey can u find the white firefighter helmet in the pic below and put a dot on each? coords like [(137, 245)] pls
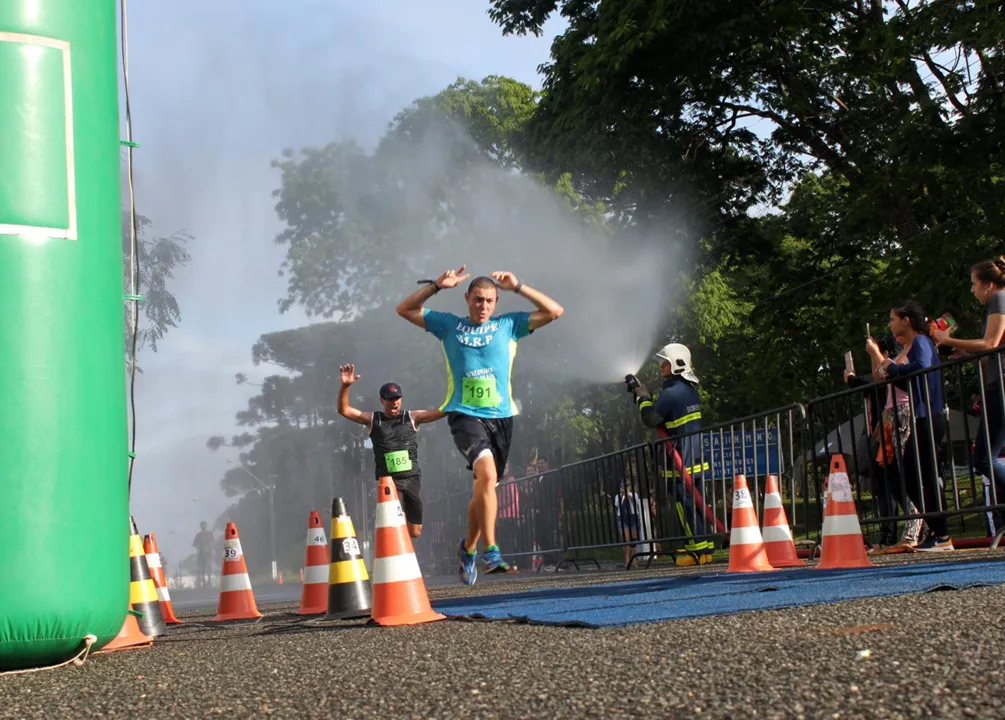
[(679, 358)]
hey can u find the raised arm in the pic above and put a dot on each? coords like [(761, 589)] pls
[(547, 309), (346, 410), (876, 358), (411, 307), (427, 416)]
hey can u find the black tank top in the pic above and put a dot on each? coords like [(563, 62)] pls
[(395, 445)]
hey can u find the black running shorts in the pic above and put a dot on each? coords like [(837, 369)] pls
[(409, 487), (473, 435)]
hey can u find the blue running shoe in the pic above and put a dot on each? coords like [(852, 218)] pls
[(467, 569), (493, 560)]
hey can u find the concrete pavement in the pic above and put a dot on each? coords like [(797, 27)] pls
[(931, 655)]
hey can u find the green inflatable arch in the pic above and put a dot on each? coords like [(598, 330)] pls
[(64, 518)]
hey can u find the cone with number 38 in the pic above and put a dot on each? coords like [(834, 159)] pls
[(746, 546)]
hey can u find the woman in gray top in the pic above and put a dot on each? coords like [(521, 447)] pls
[(988, 286)]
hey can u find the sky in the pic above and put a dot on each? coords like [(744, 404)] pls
[(217, 90)]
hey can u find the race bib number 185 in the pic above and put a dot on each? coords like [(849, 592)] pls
[(397, 461)]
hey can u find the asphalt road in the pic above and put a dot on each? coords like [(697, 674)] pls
[(932, 655), (265, 594)]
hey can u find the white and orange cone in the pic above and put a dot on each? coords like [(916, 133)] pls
[(314, 596), (160, 580), (777, 535), (399, 593), (237, 601), (746, 546), (842, 543)]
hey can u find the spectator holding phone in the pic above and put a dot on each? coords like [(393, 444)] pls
[(889, 423), (920, 469)]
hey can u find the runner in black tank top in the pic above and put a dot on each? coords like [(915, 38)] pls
[(394, 433)]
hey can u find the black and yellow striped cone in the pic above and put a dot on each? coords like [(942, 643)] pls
[(349, 592), (142, 591)]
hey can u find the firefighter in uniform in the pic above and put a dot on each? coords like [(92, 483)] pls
[(675, 413)]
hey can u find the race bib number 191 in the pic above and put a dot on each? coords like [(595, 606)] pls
[(479, 392)]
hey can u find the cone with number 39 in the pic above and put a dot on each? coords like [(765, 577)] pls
[(237, 601)]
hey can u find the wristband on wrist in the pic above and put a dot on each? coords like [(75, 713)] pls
[(517, 288)]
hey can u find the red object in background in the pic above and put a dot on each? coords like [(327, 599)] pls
[(945, 322), (689, 485)]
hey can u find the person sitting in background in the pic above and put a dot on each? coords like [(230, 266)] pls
[(879, 469), (509, 508), (627, 507), (909, 324)]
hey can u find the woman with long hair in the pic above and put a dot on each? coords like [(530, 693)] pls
[(987, 280), (893, 432), (920, 469)]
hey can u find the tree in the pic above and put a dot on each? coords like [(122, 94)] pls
[(356, 220), (159, 258), (879, 126), (898, 103)]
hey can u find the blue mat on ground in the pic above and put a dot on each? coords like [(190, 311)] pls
[(687, 596)]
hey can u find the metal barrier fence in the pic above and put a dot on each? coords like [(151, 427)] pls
[(911, 470), (632, 498)]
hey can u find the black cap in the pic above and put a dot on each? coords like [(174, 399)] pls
[(390, 391)]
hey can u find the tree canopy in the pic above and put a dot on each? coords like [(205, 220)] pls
[(874, 128), (347, 210)]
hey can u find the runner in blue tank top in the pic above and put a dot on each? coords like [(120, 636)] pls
[(479, 350)]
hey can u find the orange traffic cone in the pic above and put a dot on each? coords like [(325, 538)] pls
[(237, 601), (399, 594), (777, 535), (842, 543), (746, 547), (314, 596), (130, 636), (160, 581)]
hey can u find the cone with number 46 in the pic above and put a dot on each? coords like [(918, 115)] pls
[(314, 595), (842, 543)]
